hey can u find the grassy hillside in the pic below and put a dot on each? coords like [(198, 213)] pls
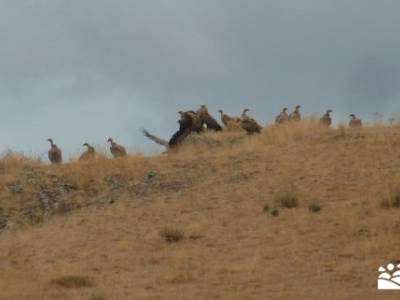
[(298, 212)]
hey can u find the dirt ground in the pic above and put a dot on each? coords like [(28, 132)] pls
[(220, 198)]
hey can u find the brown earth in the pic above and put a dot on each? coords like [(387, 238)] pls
[(92, 230)]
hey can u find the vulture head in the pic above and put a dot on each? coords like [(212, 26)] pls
[(284, 109), (298, 107), (329, 111), (85, 144), (110, 140), (352, 115)]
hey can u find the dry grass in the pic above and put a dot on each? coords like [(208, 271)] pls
[(315, 207), (391, 197), (172, 235), (73, 282), (288, 197), (103, 218)]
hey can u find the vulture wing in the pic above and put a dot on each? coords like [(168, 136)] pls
[(211, 122), (147, 134)]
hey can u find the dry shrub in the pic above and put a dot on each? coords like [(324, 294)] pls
[(315, 207), (391, 197), (266, 208), (275, 212), (172, 235), (288, 197), (73, 282)]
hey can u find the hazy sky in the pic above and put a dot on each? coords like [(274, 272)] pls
[(84, 70)]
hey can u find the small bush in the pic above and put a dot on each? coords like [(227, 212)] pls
[(266, 208), (315, 207), (73, 282), (151, 174), (288, 198), (172, 235), (275, 212), (392, 198)]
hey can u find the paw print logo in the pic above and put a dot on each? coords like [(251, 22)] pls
[(389, 277)]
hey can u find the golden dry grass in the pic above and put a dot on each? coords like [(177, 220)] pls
[(102, 220)]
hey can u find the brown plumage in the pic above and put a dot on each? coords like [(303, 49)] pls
[(227, 120), (116, 150), (89, 154), (326, 120), (207, 119), (354, 121), (282, 117), (196, 121), (55, 153), (295, 116), (249, 124)]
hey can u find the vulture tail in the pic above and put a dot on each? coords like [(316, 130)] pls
[(154, 138)]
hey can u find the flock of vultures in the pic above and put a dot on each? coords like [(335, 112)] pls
[(198, 121)]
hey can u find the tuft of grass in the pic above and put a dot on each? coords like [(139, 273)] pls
[(266, 208), (151, 174), (275, 212), (73, 282), (97, 297), (172, 235), (342, 128), (391, 198), (315, 207), (288, 197)]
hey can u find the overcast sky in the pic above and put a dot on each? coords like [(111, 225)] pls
[(83, 70)]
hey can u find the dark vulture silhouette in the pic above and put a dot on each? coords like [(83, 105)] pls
[(326, 120), (55, 154), (116, 150), (249, 124), (295, 116), (283, 117), (197, 122), (354, 121), (89, 154), (185, 128), (207, 119)]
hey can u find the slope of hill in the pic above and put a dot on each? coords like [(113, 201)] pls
[(298, 212)]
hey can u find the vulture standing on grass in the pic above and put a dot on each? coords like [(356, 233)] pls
[(185, 128), (227, 120), (116, 150), (326, 119), (295, 116), (354, 121), (282, 117), (55, 154), (249, 124), (89, 154), (207, 119), (197, 122)]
